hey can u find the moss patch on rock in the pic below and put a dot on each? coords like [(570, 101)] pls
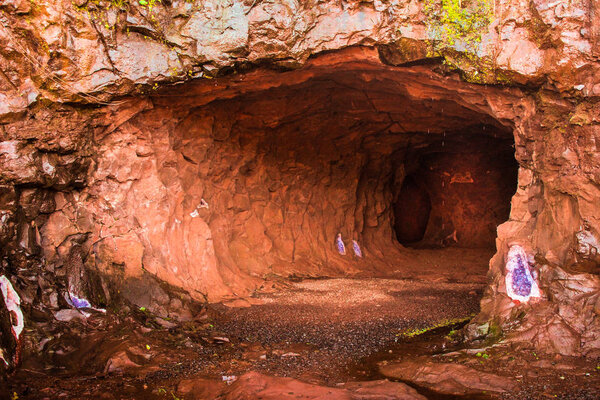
[(459, 23)]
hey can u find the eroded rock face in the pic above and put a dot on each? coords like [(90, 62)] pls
[(213, 191), (215, 184), (93, 50)]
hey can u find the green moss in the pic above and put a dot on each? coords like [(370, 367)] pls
[(459, 23), (456, 28), (410, 333), (494, 331), (121, 4)]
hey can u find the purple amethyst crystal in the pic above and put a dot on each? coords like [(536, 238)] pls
[(79, 302), (520, 281), (340, 244), (356, 248)]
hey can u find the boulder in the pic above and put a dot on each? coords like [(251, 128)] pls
[(447, 378)]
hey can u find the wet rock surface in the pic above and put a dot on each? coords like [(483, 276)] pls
[(514, 371), (254, 385), (326, 338)]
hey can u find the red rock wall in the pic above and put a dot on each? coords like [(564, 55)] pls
[(214, 188), (553, 215)]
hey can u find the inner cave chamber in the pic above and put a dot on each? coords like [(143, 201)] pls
[(215, 185), (456, 189)]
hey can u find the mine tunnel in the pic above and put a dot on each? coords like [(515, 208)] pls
[(234, 184), (393, 160), (261, 199)]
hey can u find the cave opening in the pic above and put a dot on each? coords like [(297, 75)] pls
[(397, 162), (237, 192), (411, 211)]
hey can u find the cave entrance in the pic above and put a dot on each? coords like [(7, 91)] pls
[(405, 165), (457, 190), (227, 187)]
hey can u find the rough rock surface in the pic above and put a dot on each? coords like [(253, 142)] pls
[(447, 378), (254, 385), (217, 183), (94, 50)]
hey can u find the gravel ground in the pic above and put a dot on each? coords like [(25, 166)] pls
[(325, 331), (332, 324)]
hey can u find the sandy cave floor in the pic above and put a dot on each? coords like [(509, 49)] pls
[(321, 331)]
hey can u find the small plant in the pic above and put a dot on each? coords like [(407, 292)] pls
[(409, 333), (148, 3), (451, 334), (175, 397), (163, 392)]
